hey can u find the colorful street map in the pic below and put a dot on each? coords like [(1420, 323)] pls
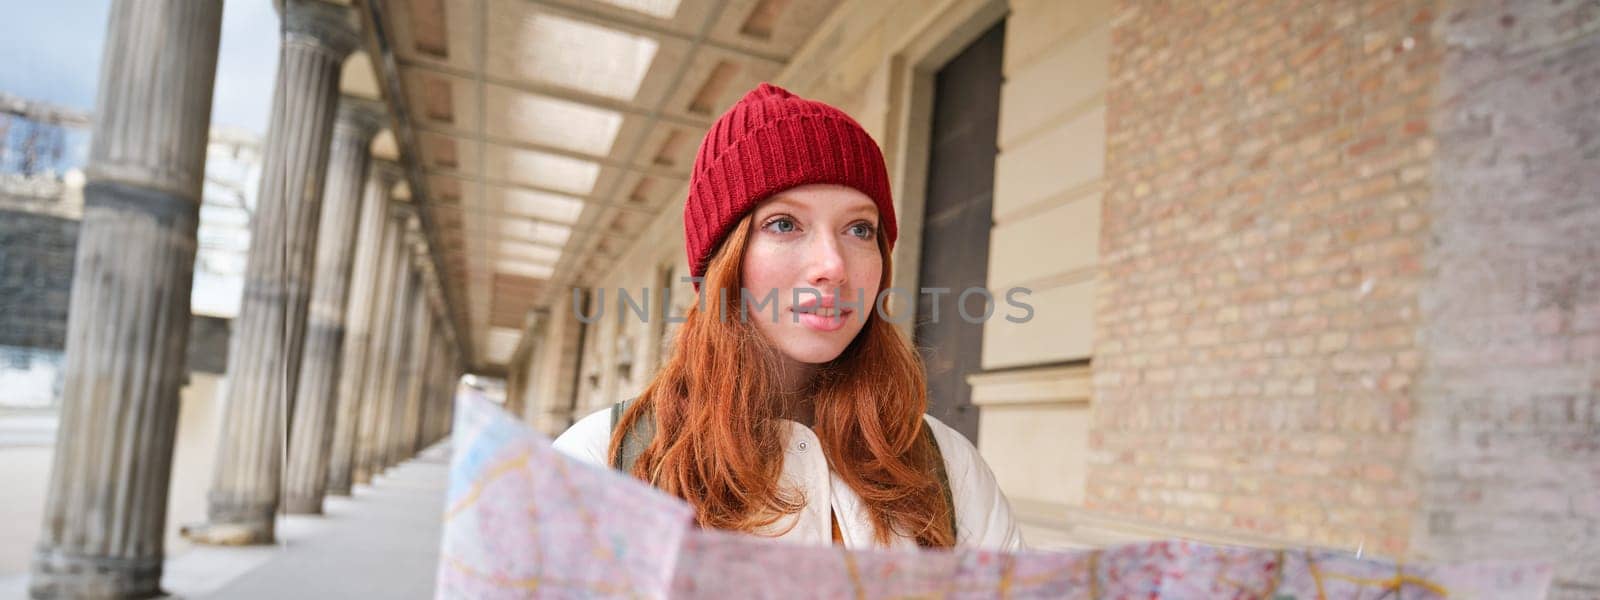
[(524, 521)]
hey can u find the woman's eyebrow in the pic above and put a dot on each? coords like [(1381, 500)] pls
[(771, 204), (870, 209), (785, 200)]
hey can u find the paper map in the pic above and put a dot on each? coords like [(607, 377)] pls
[(524, 521)]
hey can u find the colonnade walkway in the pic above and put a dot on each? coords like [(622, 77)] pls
[(380, 542)]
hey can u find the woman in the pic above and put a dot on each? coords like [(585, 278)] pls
[(793, 409)]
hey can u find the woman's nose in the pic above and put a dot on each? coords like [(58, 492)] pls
[(825, 263)]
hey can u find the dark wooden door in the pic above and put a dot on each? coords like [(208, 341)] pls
[(955, 234)]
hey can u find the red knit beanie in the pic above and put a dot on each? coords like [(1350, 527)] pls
[(768, 142)]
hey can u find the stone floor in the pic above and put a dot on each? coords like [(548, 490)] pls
[(382, 542), (27, 449)]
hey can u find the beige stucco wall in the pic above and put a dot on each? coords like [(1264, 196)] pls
[(1048, 179), (1034, 429)]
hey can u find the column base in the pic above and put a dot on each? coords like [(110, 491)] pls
[(338, 482), (302, 505), (60, 574), (234, 524), (227, 534)]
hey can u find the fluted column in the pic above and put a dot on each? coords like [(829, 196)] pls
[(311, 428), (264, 363), (433, 308), (430, 387), (399, 369), (453, 379), (438, 375), (378, 389), (430, 392), (128, 323), (365, 279), (447, 381), (404, 442)]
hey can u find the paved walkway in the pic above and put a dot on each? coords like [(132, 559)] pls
[(383, 542)]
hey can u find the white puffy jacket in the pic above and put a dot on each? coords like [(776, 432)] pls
[(983, 515)]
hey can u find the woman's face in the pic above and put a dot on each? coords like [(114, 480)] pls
[(819, 237)]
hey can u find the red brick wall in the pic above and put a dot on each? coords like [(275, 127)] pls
[(1267, 169)]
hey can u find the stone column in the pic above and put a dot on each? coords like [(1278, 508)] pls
[(128, 323), (438, 388), (456, 362), (365, 279), (447, 393), (399, 380), (267, 342), (378, 389), (435, 374), (430, 387), (404, 443), (311, 428), (430, 392)]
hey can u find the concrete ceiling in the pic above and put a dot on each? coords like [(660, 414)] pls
[(550, 132)]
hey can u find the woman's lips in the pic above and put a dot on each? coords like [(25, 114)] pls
[(818, 322)]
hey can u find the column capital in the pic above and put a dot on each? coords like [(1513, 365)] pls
[(416, 245), (417, 242), (413, 220), (401, 211), (387, 173), (359, 118), (332, 28)]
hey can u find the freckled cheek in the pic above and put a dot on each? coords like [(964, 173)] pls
[(768, 268), (865, 271)]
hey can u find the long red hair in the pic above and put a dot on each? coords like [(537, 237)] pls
[(718, 444)]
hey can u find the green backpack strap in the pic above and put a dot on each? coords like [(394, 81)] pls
[(943, 477), (634, 440)]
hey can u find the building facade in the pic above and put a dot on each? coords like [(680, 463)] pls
[(1303, 273), (1299, 273)]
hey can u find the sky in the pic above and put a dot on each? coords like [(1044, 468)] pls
[(51, 52)]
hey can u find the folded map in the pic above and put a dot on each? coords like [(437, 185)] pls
[(525, 521)]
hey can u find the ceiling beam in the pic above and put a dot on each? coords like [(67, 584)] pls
[(644, 29), (586, 230), (512, 185), (605, 161), (551, 91), (584, 244), (545, 245)]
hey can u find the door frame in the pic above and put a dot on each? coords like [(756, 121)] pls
[(917, 57)]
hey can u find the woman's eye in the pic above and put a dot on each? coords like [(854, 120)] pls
[(780, 225), (862, 230)]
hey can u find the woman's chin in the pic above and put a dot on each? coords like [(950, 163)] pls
[(813, 352)]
